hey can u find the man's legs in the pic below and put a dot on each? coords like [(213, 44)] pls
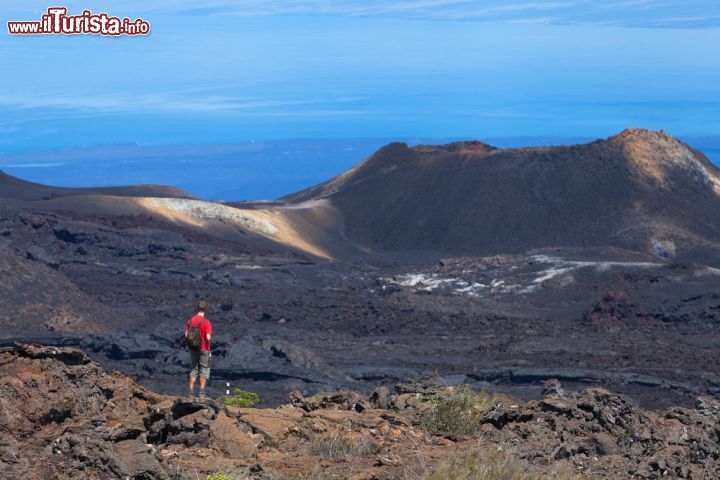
[(204, 372), (194, 370)]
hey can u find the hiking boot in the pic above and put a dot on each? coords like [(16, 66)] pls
[(202, 394)]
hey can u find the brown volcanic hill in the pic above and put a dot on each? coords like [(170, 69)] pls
[(17, 189), (641, 190)]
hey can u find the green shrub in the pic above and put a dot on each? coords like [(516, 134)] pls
[(455, 411), (218, 476), (239, 398)]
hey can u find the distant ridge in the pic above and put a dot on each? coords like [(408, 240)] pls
[(17, 189), (635, 190)]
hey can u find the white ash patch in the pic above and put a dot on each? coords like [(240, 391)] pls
[(562, 266), (707, 271), (201, 210), (431, 282), (525, 276), (425, 282)]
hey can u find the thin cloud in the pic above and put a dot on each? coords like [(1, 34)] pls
[(535, 21), (677, 21), (631, 13), (149, 103)]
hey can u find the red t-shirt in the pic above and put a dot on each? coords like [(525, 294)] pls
[(205, 328)]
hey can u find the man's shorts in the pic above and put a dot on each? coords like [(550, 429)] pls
[(200, 363)]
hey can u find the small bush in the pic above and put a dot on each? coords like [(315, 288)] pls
[(239, 398), (244, 473), (457, 412), (339, 445)]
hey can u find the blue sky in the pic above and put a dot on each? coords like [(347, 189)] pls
[(226, 72)]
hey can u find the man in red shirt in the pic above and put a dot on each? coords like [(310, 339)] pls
[(199, 357)]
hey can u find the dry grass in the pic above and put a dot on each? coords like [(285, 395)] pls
[(233, 474), (472, 464), (479, 464), (317, 474), (339, 445)]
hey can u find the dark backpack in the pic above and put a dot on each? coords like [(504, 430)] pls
[(193, 339)]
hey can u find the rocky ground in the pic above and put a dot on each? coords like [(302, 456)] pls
[(101, 425), (121, 287)]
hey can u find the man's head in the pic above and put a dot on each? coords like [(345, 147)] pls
[(201, 306)]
